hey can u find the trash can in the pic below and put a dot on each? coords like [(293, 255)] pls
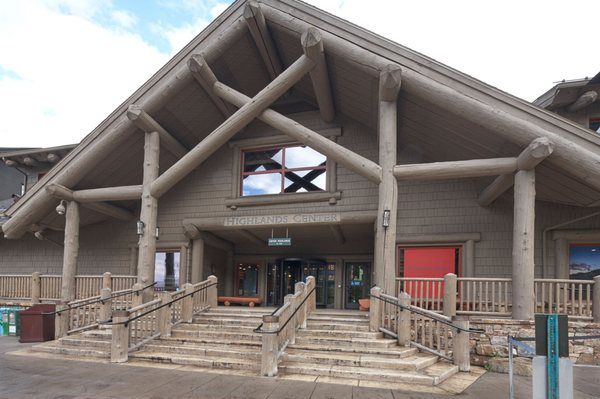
[(37, 323), (3, 322)]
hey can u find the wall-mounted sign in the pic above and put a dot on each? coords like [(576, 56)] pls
[(278, 220), (280, 242)]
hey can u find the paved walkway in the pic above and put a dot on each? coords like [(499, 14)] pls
[(52, 378)]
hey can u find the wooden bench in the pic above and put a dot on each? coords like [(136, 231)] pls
[(241, 300)]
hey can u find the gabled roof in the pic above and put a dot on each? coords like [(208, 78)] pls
[(566, 92), (444, 113)]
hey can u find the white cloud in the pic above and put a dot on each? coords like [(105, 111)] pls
[(71, 72), (124, 18), (179, 36)]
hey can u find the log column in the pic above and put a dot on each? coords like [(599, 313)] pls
[(561, 258), (197, 260), (385, 237), (71, 252), (523, 266), (148, 214)]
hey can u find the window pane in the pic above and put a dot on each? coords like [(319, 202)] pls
[(247, 279), (595, 125), (302, 157), (262, 160), (305, 180), (268, 183)]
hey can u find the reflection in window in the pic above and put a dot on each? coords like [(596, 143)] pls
[(166, 270), (247, 279), (584, 261), (283, 169), (595, 124)]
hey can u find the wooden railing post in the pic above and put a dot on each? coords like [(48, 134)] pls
[(312, 301), (138, 296), (107, 280), (596, 300), (164, 315), (270, 345), (187, 305), (105, 313), (450, 294), (36, 287), (403, 320), (61, 322), (212, 291), (291, 326), (460, 344), (301, 315), (375, 309), (119, 348)]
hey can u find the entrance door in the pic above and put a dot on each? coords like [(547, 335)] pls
[(287, 272), (358, 283)]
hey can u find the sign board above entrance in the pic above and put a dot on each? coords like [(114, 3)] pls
[(284, 220), (280, 242)]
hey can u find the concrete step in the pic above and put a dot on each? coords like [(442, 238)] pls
[(80, 342), (189, 349), (333, 325), (216, 362), (338, 318), (99, 335), (413, 363), (230, 316), (211, 341), (339, 333), (392, 351), (57, 348), (422, 377), (215, 327), (184, 333), (228, 321), (242, 309), (336, 342)]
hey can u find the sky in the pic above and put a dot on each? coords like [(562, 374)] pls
[(66, 64)]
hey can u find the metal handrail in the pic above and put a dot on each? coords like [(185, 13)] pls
[(259, 328), (101, 300), (110, 322), (421, 312)]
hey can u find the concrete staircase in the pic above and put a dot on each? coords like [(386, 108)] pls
[(335, 344)]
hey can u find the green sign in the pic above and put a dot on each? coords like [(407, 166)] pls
[(280, 242)]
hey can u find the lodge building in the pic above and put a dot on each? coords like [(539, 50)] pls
[(284, 142)]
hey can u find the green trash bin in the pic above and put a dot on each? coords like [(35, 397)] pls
[(3, 322), (10, 321)]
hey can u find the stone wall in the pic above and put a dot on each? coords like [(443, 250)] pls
[(490, 348)]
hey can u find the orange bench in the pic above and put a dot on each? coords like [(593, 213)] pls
[(241, 300)]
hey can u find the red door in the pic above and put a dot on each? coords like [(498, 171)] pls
[(429, 262)]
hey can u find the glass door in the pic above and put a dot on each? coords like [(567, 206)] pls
[(358, 283)]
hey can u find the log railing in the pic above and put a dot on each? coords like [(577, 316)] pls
[(15, 286), (424, 292), (133, 328), (446, 337), (49, 288), (279, 328), (573, 297), (484, 296)]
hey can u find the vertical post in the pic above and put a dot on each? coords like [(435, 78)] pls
[(450, 294), (164, 315), (301, 315), (523, 267), (71, 251), (107, 280), (197, 260), (469, 258), (105, 313), (119, 348), (561, 259), (596, 300), (291, 327), (187, 304), (148, 215), (36, 287), (61, 321), (137, 296), (183, 265), (387, 209), (229, 274), (270, 347), (403, 320), (212, 291), (460, 344), (375, 309)]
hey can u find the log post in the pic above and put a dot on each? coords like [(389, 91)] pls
[(403, 320), (312, 300), (561, 259), (137, 297), (596, 300), (289, 298), (257, 25), (119, 347), (107, 280), (62, 319), (36, 287), (187, 304), (71, 252), (523, 266), (460, 344), (387, 209), (164, 315), (270, 347), (105, 313), (450, 294), (197, 260), (301, 315), (148, 214), (212, 291), (375, 309), (145, 122), (183, 265)]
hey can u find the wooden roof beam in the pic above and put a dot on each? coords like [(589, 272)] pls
[(195, 65), (455, 169), (32, 162), (53, 158), (587, 98), (145, 122), (121, 193), (530, 157), (231, 126), (63, 193), (257, 25), (312, 45)]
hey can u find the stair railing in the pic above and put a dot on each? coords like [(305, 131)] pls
[(279, 328), (443, 336), (133, 328)]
